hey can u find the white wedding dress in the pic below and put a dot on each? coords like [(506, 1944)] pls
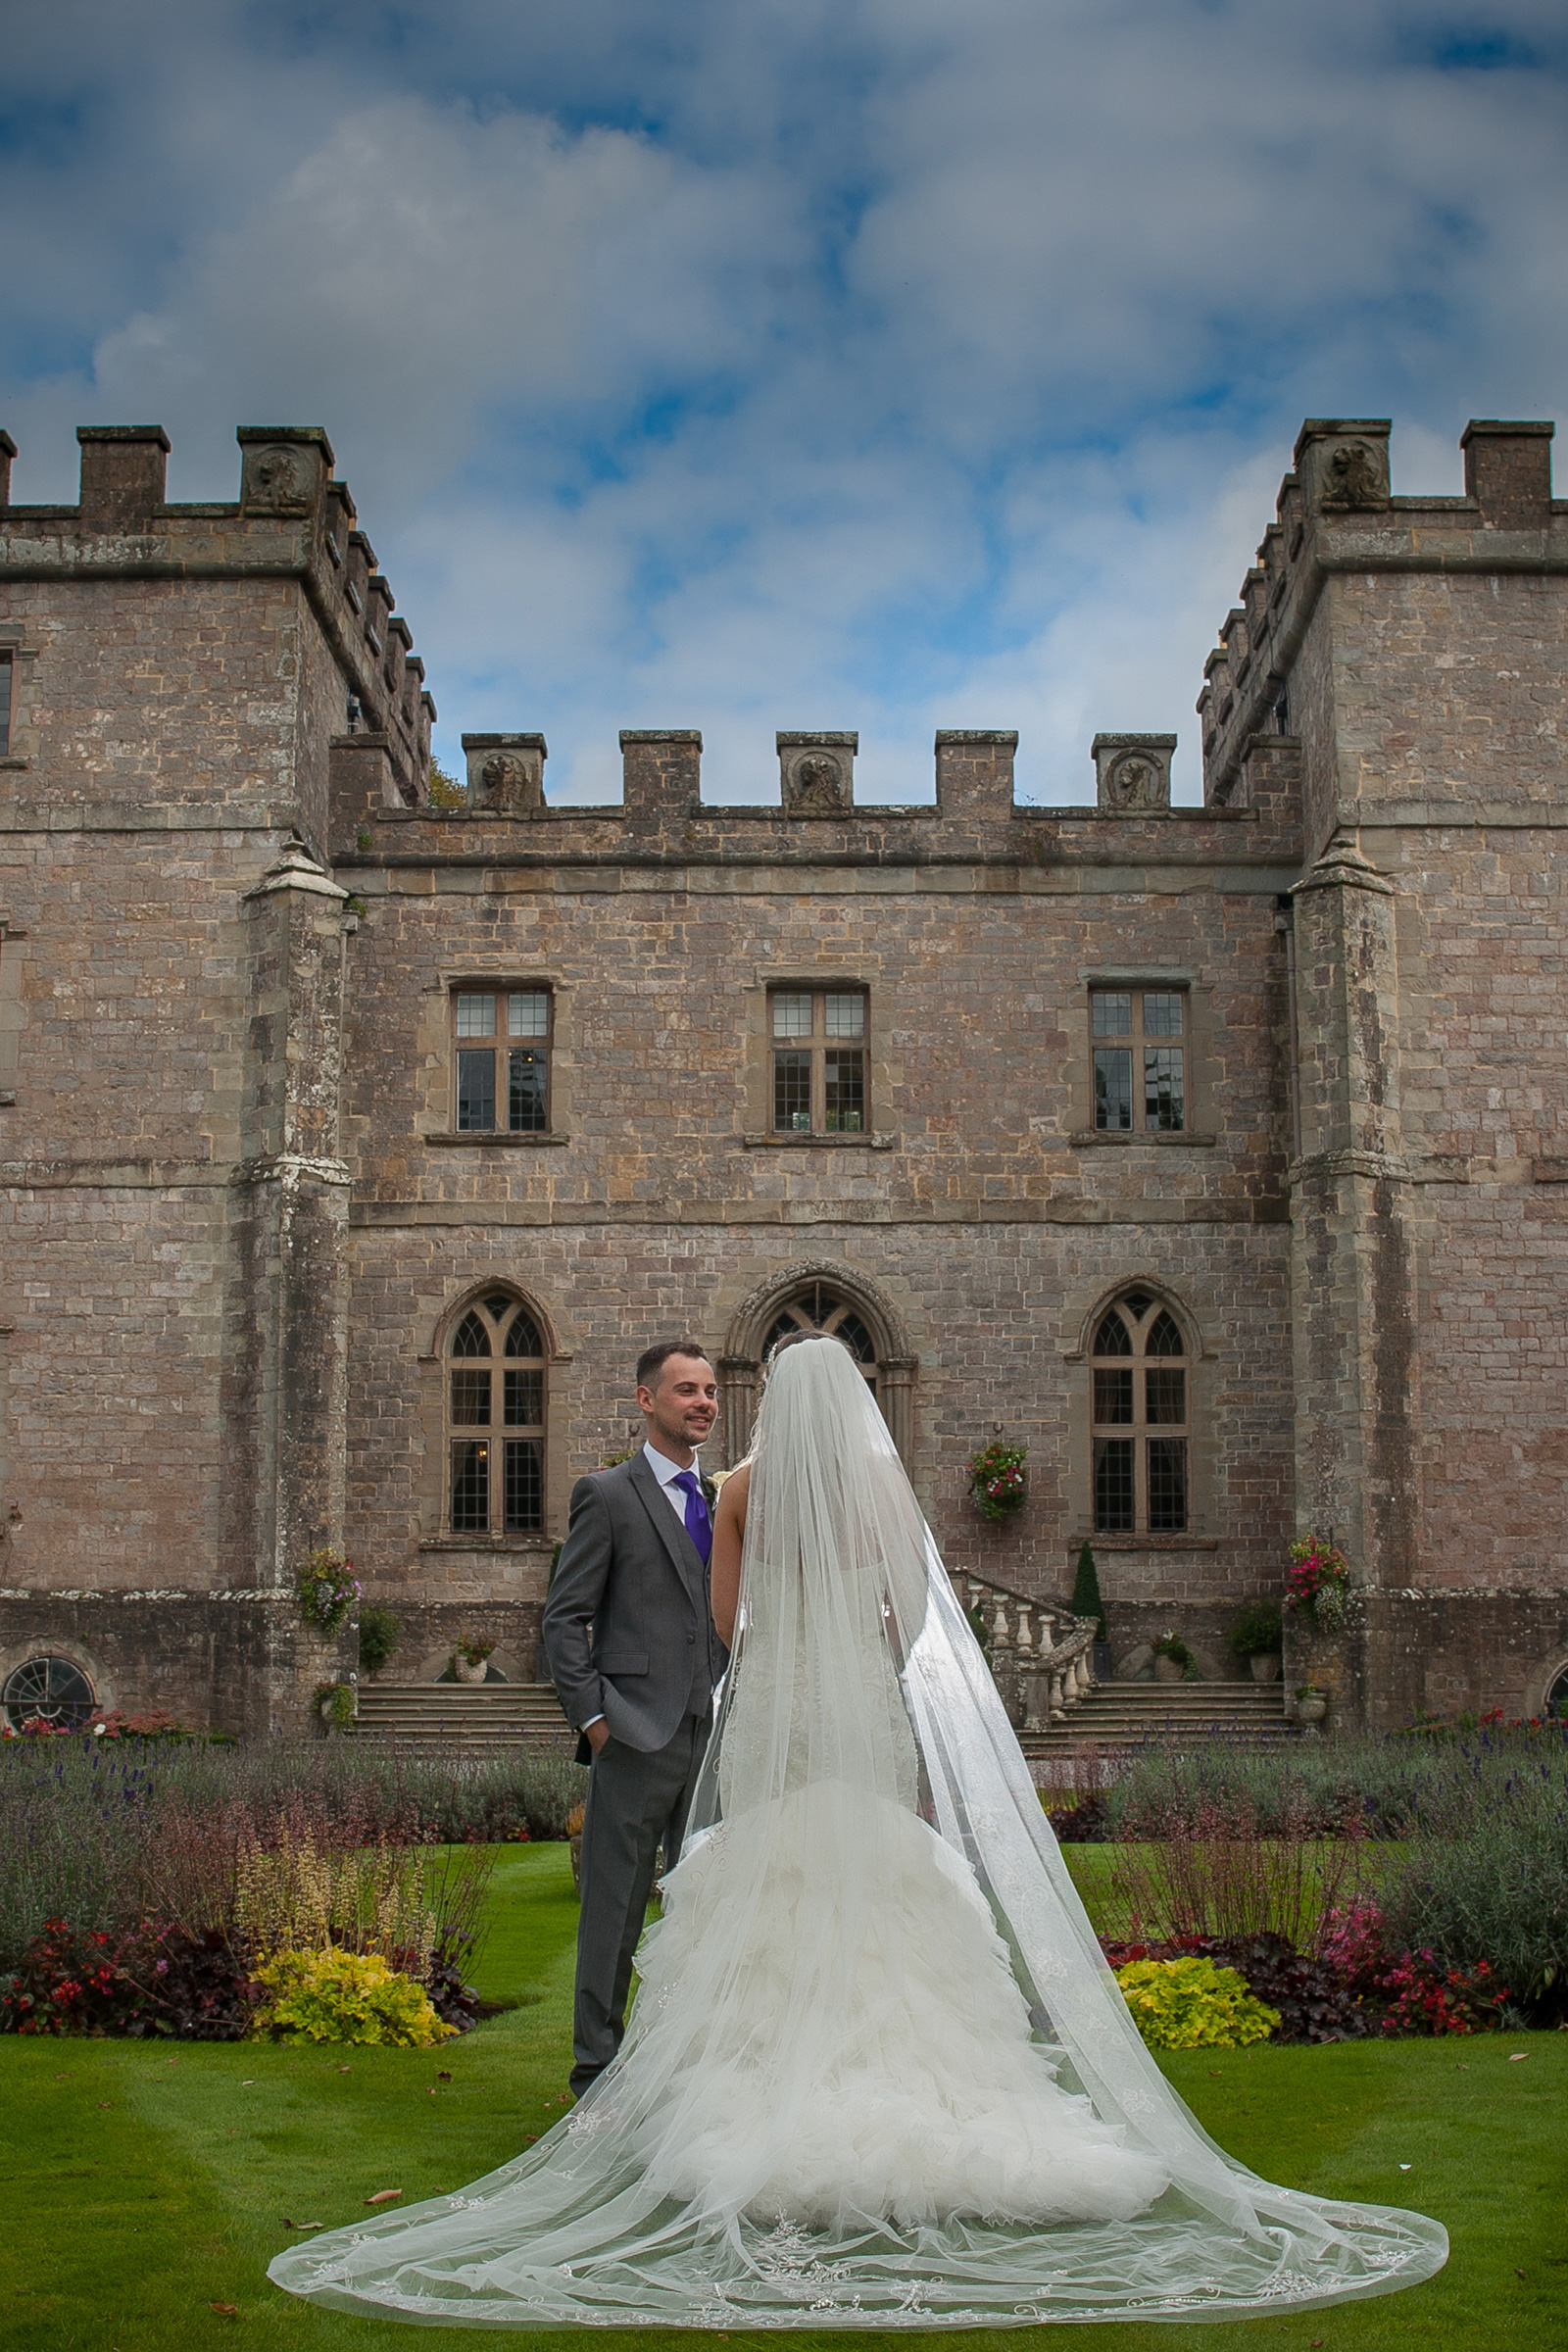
[(877, 2074)]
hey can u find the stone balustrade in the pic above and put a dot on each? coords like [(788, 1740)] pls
[(1040, 1656)]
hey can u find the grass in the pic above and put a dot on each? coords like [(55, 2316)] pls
[(142, 2185)]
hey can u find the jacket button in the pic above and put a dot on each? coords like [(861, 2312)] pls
[(691, 1637)]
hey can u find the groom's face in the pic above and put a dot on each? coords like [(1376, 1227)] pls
[(684, 1405)]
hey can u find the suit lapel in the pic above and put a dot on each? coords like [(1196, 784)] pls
[(684, 1555)]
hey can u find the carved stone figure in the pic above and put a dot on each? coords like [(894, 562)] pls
[(1354, 476), (1132, 772), (816, 786), (277, 479)]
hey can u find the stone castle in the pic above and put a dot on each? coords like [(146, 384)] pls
[(353, 1143)]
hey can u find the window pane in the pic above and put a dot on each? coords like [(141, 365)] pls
[(1114, 1087), (1114, 1485), (523, 1336), (476, 1092), (471, 1485), (526, 1485), (470, 1400), (845, 1016), (5, 705), (529, 1013), (1113, 1396), (1162, 1015), (852, 1332), (791, 1089), (1164, 1336), (1168, 1485), (1164, 1100), (1112, 1014), (844, 1071), (525, 1090), (792, 1015), (1166, 1394), (471, 1338), (477, 1017), (525, 1399), (1111, 1338)]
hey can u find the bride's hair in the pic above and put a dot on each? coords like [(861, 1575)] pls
[(793, 1339)]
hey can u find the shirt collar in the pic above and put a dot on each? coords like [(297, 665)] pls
[(665, 1471)]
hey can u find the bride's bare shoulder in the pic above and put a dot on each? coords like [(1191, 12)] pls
[(733, 1488)]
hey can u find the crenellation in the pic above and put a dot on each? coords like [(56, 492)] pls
[(124, 475)]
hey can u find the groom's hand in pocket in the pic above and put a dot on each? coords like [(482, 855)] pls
[(597, 1734)]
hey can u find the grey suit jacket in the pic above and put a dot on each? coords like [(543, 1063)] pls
[(628, 1628)]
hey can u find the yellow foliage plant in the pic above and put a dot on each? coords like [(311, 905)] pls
[(1193, 2005), (333, 1995)]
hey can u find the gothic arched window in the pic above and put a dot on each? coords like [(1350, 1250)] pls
[(494, 1397), (1139, 1367), (818, 1307)]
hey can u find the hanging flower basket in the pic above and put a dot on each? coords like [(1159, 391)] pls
[(1315, 1587), (998, 1481), (326, 1589)]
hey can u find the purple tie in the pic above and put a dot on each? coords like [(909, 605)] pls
[(698, 1524)]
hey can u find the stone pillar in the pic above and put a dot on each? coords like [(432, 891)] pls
[(974, 771), (1352, 1253), (285, 1383), (123, 473), (663, 775)]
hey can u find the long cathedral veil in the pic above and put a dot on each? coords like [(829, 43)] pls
[(771, 2148)]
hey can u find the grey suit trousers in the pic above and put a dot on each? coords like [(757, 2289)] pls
[(636, 1801)]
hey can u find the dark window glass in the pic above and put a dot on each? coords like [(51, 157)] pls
[(1138, 1304), (470, 1486), (523, 1336), (1112, 1013), (792, 1091), (526, 1485), (1114, 1485), (1168, 1485), (5, 705), (476, 1090), (48, 1691), (852, 1332), (1164, 1095), (1165, 1339), (497, 1304), (470, 1400), (1111, 1338), (1166, 1395), (1113, 1087), (525, 1399), (1113, 1396), (845, 1078), (472, 1337), (1162, 1016), (525, 1096)]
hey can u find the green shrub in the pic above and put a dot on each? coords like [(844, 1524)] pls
[(1259, 1629), (379, 1628), (1193, 2005), (335, 1995), (1086, 1601)]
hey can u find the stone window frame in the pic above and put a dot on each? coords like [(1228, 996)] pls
[(19, 744), (1203, 1469), (739, 1363), (1198, 1042), (435, 1362), (437, 1116), (756, 1023)]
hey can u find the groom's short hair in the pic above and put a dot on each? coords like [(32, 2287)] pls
[(652, 1361)]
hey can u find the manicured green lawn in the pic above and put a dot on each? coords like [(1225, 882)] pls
[(140, 2184)]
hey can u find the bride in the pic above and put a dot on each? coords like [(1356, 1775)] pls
[(878, 2073)]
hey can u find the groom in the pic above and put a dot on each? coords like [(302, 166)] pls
[(629, 1634)]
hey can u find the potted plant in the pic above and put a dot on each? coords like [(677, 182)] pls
[(326, 1589), (380, 1628), (1172, 1658), (1257, 1636), (998, 1480), (470, 1660), (1311, 1703), (337, 1704), (1316, 1584)]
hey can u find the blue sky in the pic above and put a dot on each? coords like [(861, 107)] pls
[(759, 364)]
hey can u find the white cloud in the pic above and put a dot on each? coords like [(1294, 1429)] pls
[(892, 364)]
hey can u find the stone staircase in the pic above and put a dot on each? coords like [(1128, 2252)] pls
[(1121, 1715), (455, 1719)]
